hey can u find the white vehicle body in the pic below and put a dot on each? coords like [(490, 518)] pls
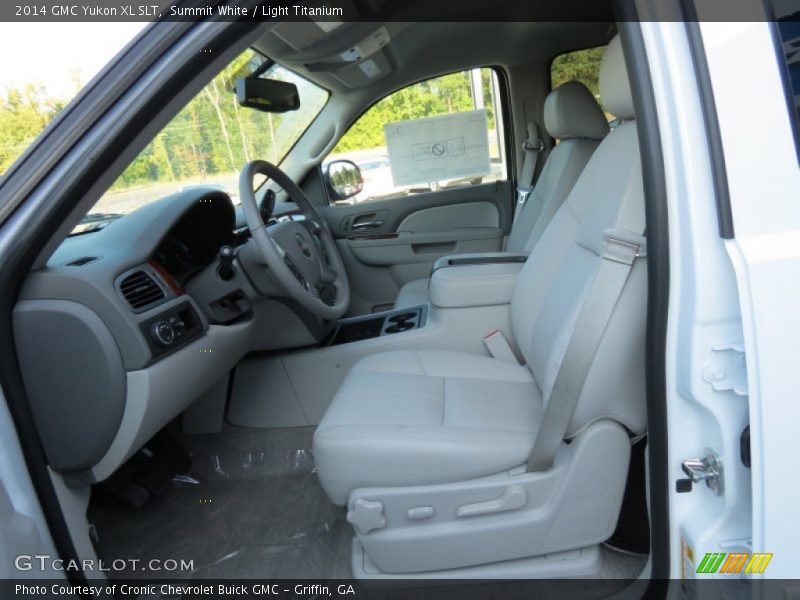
[(730, 356)]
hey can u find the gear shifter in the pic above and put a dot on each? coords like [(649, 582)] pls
[(225, 268)]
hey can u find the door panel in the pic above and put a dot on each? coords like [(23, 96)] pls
[(403, 247), (454, 216), (392, 213), (433, 183), (387, 243)]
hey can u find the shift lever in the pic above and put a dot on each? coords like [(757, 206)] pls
[(225, 268)]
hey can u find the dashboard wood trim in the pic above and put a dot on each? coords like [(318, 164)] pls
[(166, 277)]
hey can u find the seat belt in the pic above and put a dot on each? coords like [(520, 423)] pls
[(532, 147), (622, 245)]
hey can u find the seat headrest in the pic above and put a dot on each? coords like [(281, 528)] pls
[(615, 90), (570, 111)]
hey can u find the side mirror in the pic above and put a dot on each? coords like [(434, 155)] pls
[(343, 178), (269, 95)]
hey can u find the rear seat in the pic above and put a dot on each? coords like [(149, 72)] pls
[(572, 116)]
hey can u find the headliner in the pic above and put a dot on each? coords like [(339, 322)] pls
[(421, 50)]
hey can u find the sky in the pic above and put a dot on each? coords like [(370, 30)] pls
[(54, 53)]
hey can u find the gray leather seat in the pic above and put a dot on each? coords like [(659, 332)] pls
[(572, 116), (411, 418), (427, 416)]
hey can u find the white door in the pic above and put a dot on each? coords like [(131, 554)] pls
[(733, 358)]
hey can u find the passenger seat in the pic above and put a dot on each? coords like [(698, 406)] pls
[(572, 116), (449, 459)]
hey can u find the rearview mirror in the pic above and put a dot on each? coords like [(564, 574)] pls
[(344, 179), (269, 95)]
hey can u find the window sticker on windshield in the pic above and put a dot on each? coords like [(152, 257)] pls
[(438, 148)]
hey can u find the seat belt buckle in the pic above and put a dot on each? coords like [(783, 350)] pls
[(623, 246), (499, 347), (523, 193)]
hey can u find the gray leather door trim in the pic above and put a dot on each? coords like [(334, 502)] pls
[(417, 247), (384, 256), (398, 209)]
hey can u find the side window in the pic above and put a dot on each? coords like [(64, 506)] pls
[(581, 65), (438, 134)]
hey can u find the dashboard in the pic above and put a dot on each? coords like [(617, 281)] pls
[(112, 344), (194, 241)]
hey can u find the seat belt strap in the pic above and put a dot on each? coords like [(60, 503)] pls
[(532, 147), (622, 246)]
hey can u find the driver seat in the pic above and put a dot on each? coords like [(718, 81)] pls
[(428, 448)]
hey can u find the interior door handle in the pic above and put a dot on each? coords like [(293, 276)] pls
[(367, 225)]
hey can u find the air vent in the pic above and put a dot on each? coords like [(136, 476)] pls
[(140, 290), (79, 262)]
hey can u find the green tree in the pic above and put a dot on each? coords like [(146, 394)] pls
[(439, 96), (24, 113), (583, 66)]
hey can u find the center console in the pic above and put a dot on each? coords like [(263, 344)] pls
[(378, 324)]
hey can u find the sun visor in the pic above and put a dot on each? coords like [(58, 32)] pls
[(356, 54)]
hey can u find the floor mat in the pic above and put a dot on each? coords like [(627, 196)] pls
[(250, 506)]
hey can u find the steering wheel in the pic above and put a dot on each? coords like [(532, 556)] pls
[(301, 254)]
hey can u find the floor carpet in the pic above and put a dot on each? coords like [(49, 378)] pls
[(250, 506)]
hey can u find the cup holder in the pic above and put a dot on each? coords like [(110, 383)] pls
[(401, 326), (402, 317)]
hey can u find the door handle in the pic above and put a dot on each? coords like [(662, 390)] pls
[(366, 225)]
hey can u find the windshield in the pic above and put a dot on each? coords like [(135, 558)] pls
[(209, 141), (37, 82)]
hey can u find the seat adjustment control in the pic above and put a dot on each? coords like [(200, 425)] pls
[(420, 513), (513, 498), (366, 515)]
